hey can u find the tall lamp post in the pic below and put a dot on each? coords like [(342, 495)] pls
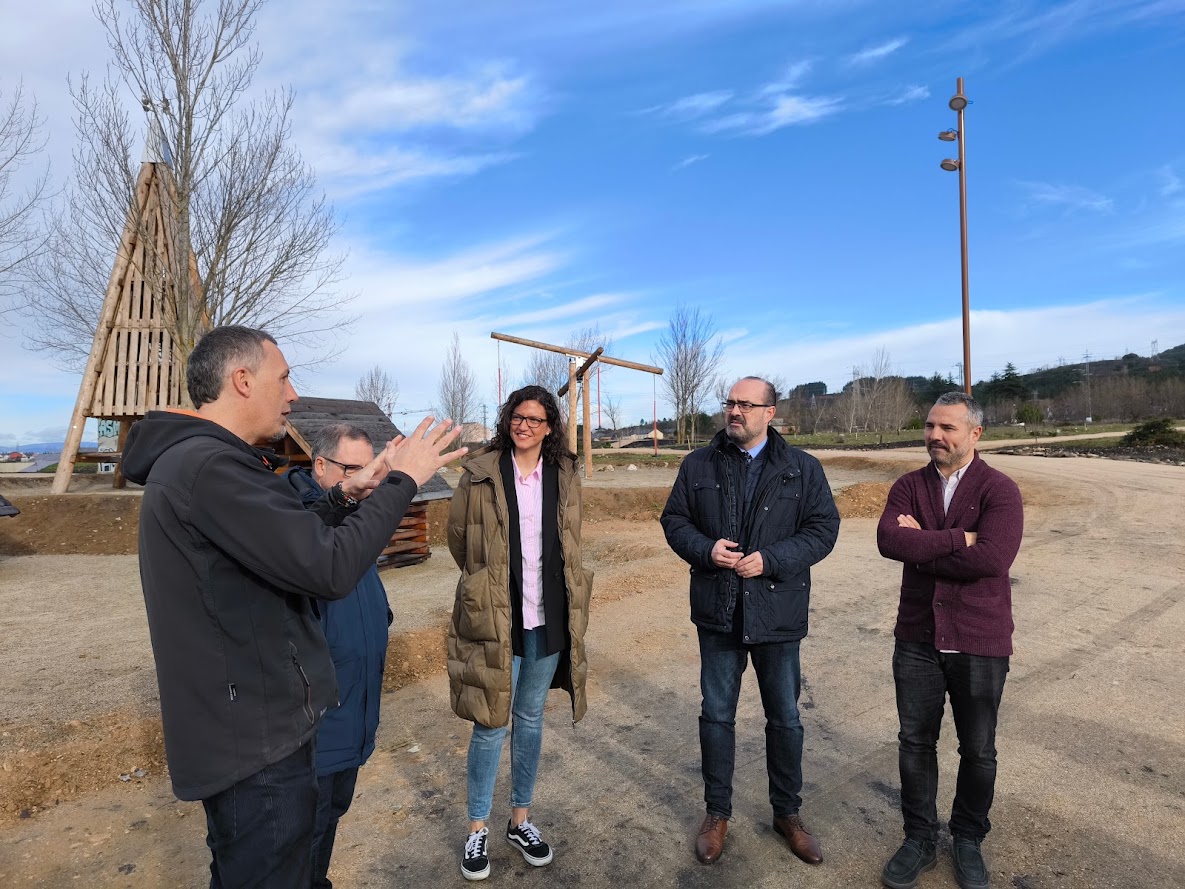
[(958, 103)]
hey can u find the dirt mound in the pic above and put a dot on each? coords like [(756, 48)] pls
[(863, 501), (87, 524), (44, 764), (415, 655)]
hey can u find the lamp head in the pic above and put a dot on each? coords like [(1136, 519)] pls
[(957, 102), (948, 135), (949, 164)]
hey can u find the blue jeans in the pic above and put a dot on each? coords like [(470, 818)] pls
[(530, 680), (722, 663), (260, 830), (924, 677), (335, 792)]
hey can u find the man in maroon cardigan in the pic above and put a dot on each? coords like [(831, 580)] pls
[(956, 526)]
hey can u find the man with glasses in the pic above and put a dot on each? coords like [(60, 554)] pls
[(356, 630), (750, 515)]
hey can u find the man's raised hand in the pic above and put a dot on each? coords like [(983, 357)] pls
[(361, 483), (421, 454)]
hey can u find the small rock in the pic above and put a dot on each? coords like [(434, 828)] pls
[(125, 778), (631, 468), (414, 748), (139, 773)]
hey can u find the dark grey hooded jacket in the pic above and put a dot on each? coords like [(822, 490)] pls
[(230, 561)]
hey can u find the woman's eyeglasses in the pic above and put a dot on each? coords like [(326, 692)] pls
[(532, 422)]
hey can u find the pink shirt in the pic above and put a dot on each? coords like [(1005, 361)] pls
[(529, 491)]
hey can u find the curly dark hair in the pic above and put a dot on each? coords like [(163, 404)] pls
[(554, 445)]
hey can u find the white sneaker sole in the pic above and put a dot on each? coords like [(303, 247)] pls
[(475, 875), (531, 859)]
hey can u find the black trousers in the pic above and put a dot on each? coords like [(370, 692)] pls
[(260, 830), (335, 792), (924, 678)]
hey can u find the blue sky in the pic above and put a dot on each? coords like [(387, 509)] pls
[(535, 167)]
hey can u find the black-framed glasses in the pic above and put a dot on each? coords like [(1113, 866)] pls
[(532, 422), (743, 406), (348, 469)]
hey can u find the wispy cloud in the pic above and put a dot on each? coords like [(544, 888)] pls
[(781, 111), (791, 78), (691, 107), (878, 52), (1071, 198), (1039, 27), (1039, 334), (909, 94), (1170, 182), (688, 161)]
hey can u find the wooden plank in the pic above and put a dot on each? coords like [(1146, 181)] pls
[(144, 338), (152, 400)]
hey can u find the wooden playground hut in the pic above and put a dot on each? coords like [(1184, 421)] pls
[(309, 416)]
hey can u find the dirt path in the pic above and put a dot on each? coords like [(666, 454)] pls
[(1091, 790)]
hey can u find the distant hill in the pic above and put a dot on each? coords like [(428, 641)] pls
[(45, 447), (1050, 382)]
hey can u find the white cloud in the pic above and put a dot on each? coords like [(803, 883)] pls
[(1170, 182), (791, 78), (688, 161), (691, 107), (782, 111), (878, 52), (913, 93), (1071, 198), (1027, 337)]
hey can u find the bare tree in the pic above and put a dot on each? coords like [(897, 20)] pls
[(550, 369), (613, 412), (21, 140), (690, 353), (377, 385), (457, 389), (243, 198)]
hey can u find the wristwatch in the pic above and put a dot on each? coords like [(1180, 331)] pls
[(344, 498)]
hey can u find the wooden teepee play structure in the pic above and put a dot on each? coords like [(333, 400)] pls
[(134, 366)]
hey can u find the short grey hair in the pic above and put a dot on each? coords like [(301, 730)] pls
[(771, 394), (326, 442), (217, 353), (974, 410)]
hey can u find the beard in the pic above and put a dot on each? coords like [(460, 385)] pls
[(946, 456), (741, 437)]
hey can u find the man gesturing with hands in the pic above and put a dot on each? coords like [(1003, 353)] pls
[(230, 563)]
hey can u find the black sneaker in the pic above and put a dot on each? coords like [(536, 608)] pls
[(970, 871), (475, 863), (526, 839), (914, 858)]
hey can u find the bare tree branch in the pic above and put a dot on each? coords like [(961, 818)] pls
[(457, 389), (690, 353), (377, 385), (244, 200), (21, 140)]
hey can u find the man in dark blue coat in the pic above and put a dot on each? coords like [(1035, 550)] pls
[(750, 515), (356, 630)]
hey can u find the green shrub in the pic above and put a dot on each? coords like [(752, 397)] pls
[(1029, 414), (1155, 432)]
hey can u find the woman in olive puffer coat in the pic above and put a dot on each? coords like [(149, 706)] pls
[(521, 609)]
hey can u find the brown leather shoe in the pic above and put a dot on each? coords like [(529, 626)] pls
[(800, 840), (710, 842)]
